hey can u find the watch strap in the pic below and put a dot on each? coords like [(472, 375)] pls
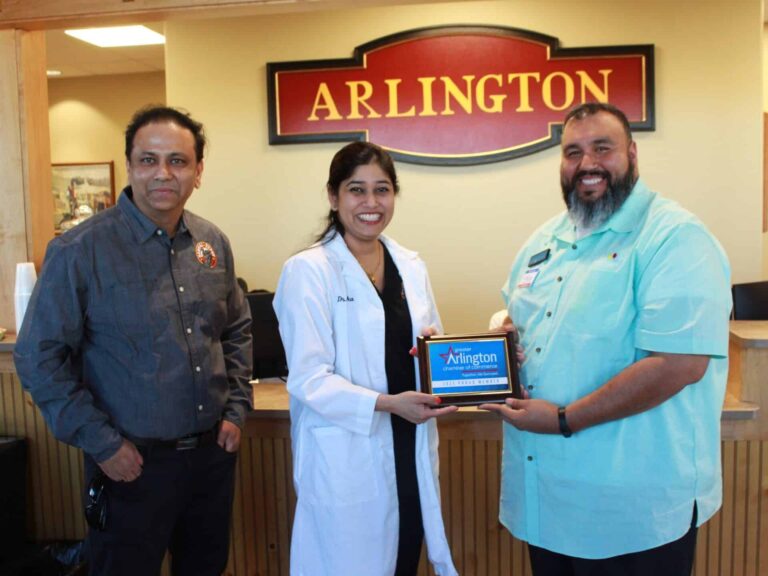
[(563, 423)]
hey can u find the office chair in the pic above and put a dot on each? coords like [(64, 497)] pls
[(750, 301), (268, 353)]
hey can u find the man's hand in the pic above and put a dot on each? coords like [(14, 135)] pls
[(125, 465), (415, 407), (229, 436), (508, 326), (531, 415)]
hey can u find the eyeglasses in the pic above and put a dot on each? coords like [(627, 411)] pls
[(96, 505)]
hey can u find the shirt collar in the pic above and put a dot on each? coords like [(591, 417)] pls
[(142, 227)]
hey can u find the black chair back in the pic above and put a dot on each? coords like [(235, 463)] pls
[(268, 352), (750, 301)]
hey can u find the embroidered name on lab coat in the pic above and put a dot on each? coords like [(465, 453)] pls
[(345, 299)]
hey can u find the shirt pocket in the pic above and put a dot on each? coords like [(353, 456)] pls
[(603, 302), (212, 299), (339, 468)]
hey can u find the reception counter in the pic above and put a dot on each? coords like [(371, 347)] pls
[(470, 452)]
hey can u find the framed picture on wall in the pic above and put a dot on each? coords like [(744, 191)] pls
[(80, 190)]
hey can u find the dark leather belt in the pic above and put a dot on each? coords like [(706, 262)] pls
[(189, 442)]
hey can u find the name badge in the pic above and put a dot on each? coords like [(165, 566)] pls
[(528, 278), (538, 258)]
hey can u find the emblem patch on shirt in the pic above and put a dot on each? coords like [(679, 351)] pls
[(528, 278), (206, 254)]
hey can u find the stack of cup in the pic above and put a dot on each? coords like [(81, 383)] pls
[(25, 282)]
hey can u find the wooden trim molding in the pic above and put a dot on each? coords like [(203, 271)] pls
[(49, 14)]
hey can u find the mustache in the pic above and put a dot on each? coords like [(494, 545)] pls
[(586, 173)]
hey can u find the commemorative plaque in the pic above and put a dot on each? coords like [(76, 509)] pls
[(469, 369)]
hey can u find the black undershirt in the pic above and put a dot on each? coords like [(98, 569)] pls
[(401, 377)]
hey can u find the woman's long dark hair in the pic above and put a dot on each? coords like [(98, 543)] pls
[(343, 165)]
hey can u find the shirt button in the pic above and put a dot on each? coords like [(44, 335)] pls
[(173, 251), (538, 350), (559, 278), (530, 387), (197, 368), (549, 314), (181, 288), (159, 232), (530, 458), (189, 330), (573, 246), (200, 408)]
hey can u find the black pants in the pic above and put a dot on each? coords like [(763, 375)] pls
[(182, 502), (673, 559)]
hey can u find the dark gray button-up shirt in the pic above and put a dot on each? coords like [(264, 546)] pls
[(132, 333)]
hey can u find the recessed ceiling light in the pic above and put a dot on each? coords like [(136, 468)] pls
[(50, 73), (118, 36)]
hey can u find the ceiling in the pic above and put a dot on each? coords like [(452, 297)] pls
[(74, 57)]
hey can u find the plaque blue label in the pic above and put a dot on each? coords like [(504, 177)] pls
[(468, 366)]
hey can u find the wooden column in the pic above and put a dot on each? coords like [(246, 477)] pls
[(26, 218)]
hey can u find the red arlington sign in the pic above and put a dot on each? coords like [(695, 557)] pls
[(456, 95)]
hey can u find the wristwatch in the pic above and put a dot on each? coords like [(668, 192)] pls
[(564, 429)]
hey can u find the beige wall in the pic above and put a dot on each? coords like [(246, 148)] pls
[(88, 116), (468, 222)]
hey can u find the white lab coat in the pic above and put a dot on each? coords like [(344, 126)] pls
[(332, 327)]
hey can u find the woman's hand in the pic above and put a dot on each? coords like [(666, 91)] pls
[(416, 407), (427, 331)]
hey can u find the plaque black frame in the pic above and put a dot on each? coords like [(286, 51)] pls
[(470, 398)]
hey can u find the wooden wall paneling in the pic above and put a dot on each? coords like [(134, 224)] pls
[(35, 465), (251, 514), (291, 492), (453, 510), (468, 502), (726, 520), (737, 559), (260, 537), (282, 499), (761, 554), (270, 515), (8, 424), (481, 507), (493, 527), (752, 513), (731, 544)]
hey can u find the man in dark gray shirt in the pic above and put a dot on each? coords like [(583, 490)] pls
[(136, 347)]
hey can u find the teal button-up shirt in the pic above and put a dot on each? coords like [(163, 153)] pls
[(650, 279)]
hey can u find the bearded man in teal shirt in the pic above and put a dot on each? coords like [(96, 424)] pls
[(622, 304)]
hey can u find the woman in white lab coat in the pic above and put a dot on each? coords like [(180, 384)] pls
[(364, 439)]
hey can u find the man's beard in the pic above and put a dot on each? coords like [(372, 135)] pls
[(586, 214)]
